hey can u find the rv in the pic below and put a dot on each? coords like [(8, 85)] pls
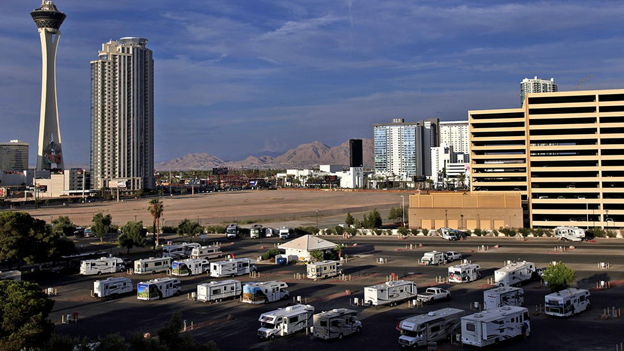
[(102, 265), (433, 257), (285, 321), (449, 234), (11, 275), (284, 232), (233, 267), (190, 266), (268, 232), (514, 273), (157, 289), (264, 292), (392, 293), (324, 269), (503, 296), (232, 231), (464, 273), (570, 233), (256, 231), (494, 326), (206, 252), (336, 324), (152, 265), (217, 291), (434, 326), (567, 302), (112, 287), (178, 251)]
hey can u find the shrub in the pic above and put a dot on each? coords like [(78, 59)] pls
[(558, 276), (508, 231), (305, 230), (597, 232), (524, 232), (270, 253), (610, 233), (495, 232), (403, 231), (477, 232), (425, 231), (169, 229), (216, 229)]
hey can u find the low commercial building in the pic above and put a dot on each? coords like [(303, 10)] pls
[(303, 246)]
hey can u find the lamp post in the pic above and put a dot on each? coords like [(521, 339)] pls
[(461, 221), (317, 221), (478, 221), (606, 219), (403, 209), (446, 218), (587, 214)]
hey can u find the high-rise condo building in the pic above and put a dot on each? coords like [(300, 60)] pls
[(14, 156), (122, 115), (455, 134), (536, 85)]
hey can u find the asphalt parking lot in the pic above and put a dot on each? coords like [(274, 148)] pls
[(233, 325)]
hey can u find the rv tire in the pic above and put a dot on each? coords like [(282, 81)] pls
[(340, 336), (272, 337), (99, 273), (358, 330)]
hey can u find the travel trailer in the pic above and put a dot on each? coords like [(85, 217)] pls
[(503, 296), (206, 252), (324, 269), (102, 265), (157, 289), (434, 326), (336, 324), (256, 231), (232, 231), (190, 266), (433, 258), (232, 267), (570, 233), (391, 293), (464, 273), (515, 273), (285, 321), (264, 292), (494, 326), (567, 302), (178, 251), (112, 287), (217, 291), (152, 265)]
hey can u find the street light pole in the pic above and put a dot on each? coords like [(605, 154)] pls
[(587, 213), (446, 218), (317, 221), (403, 209)]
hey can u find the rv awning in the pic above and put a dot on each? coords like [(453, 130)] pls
[(308, 243)]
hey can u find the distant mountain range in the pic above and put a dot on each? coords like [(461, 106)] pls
[(305, 155)]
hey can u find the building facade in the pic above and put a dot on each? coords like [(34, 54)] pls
[(536, 85), (14, 156), (122, 115), (455, 134)]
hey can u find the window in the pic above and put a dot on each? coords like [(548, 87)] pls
[(470, 327), (293, 319), (435, 329)]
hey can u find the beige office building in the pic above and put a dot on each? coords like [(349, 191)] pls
[(561, 151)]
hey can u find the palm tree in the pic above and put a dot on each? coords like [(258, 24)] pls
[(156, 209)]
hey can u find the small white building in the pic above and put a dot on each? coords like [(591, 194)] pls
[(303, 246)]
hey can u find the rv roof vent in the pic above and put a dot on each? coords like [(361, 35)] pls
[(335, 310), (506, 308), (478, 315), (431, 314), (151, 258), (289, 308)]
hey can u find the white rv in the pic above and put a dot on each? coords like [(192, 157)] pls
[(503, 296), (336, 324), (264, 292), (157, 289), (256, 231), (177, 251), (284, 232), (431, 327), (392, 293), (11, 275), (432, 258), (206, 252), (324, 269), (515, 273), (285, 321), (152, 265), (217, 291), (190, 266), (102, 265), (464, 273), (449, 234), (233, 267), (567, 302), (112, 287), (232, 231), (570, 233), (494, 326)]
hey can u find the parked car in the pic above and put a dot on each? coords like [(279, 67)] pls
[(452, 256), (79, 232)]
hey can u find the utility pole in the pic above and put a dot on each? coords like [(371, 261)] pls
[(403, 209)]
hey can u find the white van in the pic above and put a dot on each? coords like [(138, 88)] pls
[(433, 258)]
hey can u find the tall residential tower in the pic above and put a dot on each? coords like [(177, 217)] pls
[(536, 85)]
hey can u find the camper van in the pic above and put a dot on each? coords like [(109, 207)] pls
[(324, 269), (434, 326), (190, 266), (264, 292), (391, 293), (268, 232), (112, 287), (102, 265), (232, 231), (503, 296), (464, 273), (494, 326), (336, 324), (449, 234), (570, 233), (567, 302), (515, 273), (157, 289), (256, 231), (179, 251), (152, 265), (284, 232), (433, 258), (217, 291), (206, 252), (285, 321), (233, 267)]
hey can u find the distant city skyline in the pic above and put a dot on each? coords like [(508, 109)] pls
[(237, 78)]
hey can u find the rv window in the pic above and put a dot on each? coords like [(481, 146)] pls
[(231, 288), (526, 316), (157, 264), (292, 319), (323, 323), (470, 327), (216, 291), (335, 323), (582, 298)]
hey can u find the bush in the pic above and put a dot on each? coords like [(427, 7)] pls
[(524, 232), (478, 232), (508, 231), (610, 233), (597, 232), (425, 231), (216, 229), (495, 232), (558, 276), (269, 254), (306, 230), (540, 232), (169, 229), (403, 231), (351, 231)]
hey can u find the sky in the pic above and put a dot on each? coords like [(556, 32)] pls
[(241, 77)]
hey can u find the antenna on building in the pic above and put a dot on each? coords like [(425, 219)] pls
[(582, 81)]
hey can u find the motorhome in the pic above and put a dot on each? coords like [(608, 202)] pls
[(433, 258), (157, 289), (284, 232), (503, 296), (232, 267), (464, 273), (285, 321), (178, 251), (494, 326), (217, 291), (206, 252), (256, 231), (102, 265), (152, 265), (567, 302), (434, 326), (232, 231), (112, 287), (391, 293), (11, 275), (336, 324), (264, 292), (324, 269), (190, 266), (268, 232), (449, 234), (515, 273), (570, 233)]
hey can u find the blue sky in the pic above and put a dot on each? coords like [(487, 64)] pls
[(245, 77)]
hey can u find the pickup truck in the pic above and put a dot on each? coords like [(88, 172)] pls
[(433, 294), (452, 256)]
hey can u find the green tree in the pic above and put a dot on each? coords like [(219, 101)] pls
[(132, 234), (63, 225), (349, 220), (156, 209), (376, 218), (189, 228), (393, 214), (559, 276), (101, 225), (317, 255), (403, 231)]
